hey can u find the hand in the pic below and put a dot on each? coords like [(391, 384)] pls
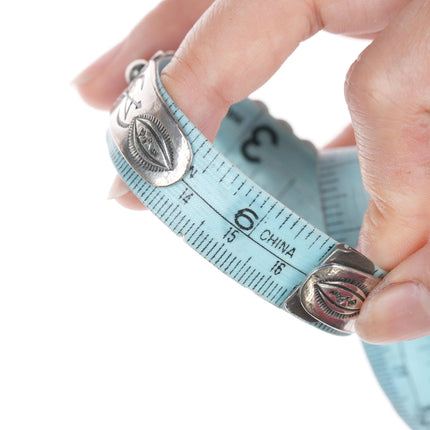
[(387, 91)]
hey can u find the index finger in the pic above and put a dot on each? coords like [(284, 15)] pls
[(236, 46)]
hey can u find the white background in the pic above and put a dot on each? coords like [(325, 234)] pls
[(107, 320)]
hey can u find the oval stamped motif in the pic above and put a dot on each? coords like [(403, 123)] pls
[(340, 298), (334, 294), (150, 144)]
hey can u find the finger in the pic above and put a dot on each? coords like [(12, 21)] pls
[(163, 28), (388, 93), (399, 308), (206, 68), (346, 138), (236, 46)]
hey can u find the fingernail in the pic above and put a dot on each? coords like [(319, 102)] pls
[(118, 189), (396, 312), (97, 67)]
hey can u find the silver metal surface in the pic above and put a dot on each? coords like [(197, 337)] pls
[(134, 69), (334, 292), (144, 129)]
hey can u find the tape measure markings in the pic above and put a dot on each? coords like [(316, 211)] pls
[(254, 228)]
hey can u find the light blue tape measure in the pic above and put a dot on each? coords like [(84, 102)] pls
[(204, 193)]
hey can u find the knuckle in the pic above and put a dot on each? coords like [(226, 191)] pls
[(313, 16), (367, 87)]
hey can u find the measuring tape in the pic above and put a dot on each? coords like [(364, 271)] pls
[(204, 193)]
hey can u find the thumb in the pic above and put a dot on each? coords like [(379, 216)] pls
[(398, 308), (388, 93)]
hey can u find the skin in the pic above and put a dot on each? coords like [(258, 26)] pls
[(388, 94)]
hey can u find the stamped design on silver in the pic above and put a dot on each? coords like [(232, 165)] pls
[(335, 291), (128, 103), (341, 298), (334, 294), (150, 144)]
